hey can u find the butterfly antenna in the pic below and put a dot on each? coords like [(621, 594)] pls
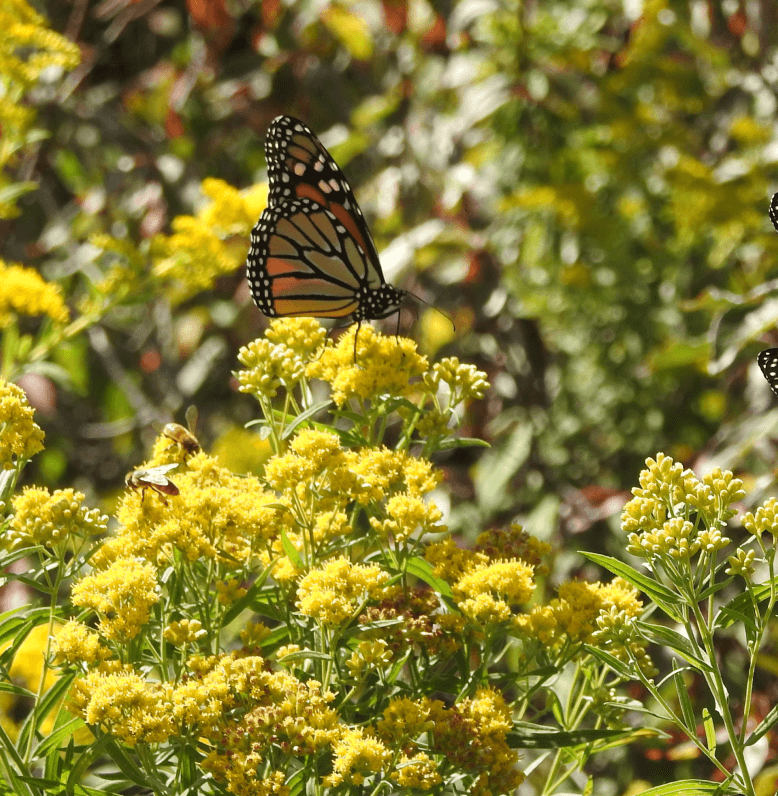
[(432, 306)]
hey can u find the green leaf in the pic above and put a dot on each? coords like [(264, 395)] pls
[(532, 736), (54, 741), (764, 726), (687, 711), (663, 636), (306, 654), (303, 416), (450, 443), (686, 787), (423, 570), (614, 663), (710, 730), (291, 550)]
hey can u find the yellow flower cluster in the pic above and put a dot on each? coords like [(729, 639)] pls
[(373, 369), (77, 644), (616, 634), (660, 519), (572, 617), (123, 703), (41, 518), (23, 291), (471, 736), (122, 595), (486, 590), (27, 47), (20, 436), (382, 366), (215, 513), (210, 244), (333, 592), (269, 367), (765, 519)]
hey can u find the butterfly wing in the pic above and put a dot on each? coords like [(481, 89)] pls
[(768, 364), (311, 250), (774, 211)]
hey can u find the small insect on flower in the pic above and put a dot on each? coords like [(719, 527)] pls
[(153, 478), (182, 436), (768, 363)]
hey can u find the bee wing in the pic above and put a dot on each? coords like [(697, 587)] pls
[(155, 475)]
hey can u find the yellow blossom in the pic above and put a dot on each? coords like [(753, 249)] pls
[(406, 515), (765, 519), (123, 704), (75, 643), (123, 594), (205, 246), (369, 655), (47, 519), (230, 591), (356, 756), (20, 437), (332, 592), (487, 593), (216, 512), (23, 291), (465, 382), (383, 366), (185, 631), (254, 634), (418, 772), (269, 366), (304, 336)]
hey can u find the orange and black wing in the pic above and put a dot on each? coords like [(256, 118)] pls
[(311, 251)]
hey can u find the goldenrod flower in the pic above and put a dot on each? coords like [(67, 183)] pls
[(305, 336), (230, 591), (215, 512), (205, 246), (369, 655), (47, 519), (23, 291), (741, 563), (184, 631), (407, 515), (20, 437), (77, 644), (488, 592), (765, 519), (332, 592), (123, 704), (270, 366), (418, 772), (406, 719), (465, 382), (122, 594), (383, 366), (356, 757)]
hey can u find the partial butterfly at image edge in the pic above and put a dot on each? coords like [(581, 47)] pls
[(311, 251), (768, 364), (773, 211)]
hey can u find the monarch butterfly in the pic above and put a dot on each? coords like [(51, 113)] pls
[(311, 250), (768, 364), (773, 211)]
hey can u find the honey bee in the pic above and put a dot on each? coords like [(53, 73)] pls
[(182, 436), (153, 478)]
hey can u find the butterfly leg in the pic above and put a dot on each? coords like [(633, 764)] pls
[(356, 334)]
